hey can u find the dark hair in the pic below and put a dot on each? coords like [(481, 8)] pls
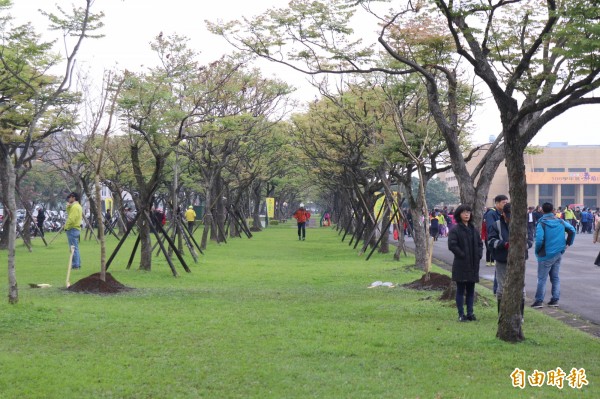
[(547, 207), (506, 208), (461, 209), (74, 195), (499, 198)]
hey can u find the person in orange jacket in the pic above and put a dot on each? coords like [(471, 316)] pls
[(301, 216)]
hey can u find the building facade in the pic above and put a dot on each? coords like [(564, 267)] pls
[(561, 174)]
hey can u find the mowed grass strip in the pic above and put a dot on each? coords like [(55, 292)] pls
[(267, 317)]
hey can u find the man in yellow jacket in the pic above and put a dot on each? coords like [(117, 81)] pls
[(190, 217), (73, 226), (570, 217)]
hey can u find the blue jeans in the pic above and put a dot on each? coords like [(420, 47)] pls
[(73, 237), (547, 267)]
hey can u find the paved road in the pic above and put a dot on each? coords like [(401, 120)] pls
[(579, 277)]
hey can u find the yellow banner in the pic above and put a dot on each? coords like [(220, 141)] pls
[(563, 178), (108, 204), (379, 204), (271, 207)]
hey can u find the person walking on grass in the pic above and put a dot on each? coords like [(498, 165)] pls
[(550, 244), (190, 217), (41, 217), (464, 241), (302, 216), (73, 227)]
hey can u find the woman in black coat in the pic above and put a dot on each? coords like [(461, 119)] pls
[(465, 243)]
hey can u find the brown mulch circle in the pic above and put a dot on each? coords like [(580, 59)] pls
[(94, 285), (436, 282), (449, 294)]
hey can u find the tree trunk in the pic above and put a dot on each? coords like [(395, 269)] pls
[(101, 237), (208, 219), (510, 318), (420, 238), (474, 190), (143, 202), (26, 233), (94, 205), (219, 217), (8, 180), (384, 244), (420, 231), (256, 197), (145, 231), (145, 241), (118, 207), (214, 232)]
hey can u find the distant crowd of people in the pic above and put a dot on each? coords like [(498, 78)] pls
[(440, 222), (582, 219)]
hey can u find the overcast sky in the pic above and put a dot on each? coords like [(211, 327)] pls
[(130, 25)]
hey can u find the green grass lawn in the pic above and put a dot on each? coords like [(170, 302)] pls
[(267, 317)]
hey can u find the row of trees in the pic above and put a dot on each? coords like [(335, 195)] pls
[(396, 114), (536, 60), (175, 133)]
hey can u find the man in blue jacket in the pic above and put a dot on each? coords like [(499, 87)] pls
[(586, 219), (550, 244)]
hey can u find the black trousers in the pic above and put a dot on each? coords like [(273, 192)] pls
[(302, 229), (41, 227), (531, 229), (463, 287)]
